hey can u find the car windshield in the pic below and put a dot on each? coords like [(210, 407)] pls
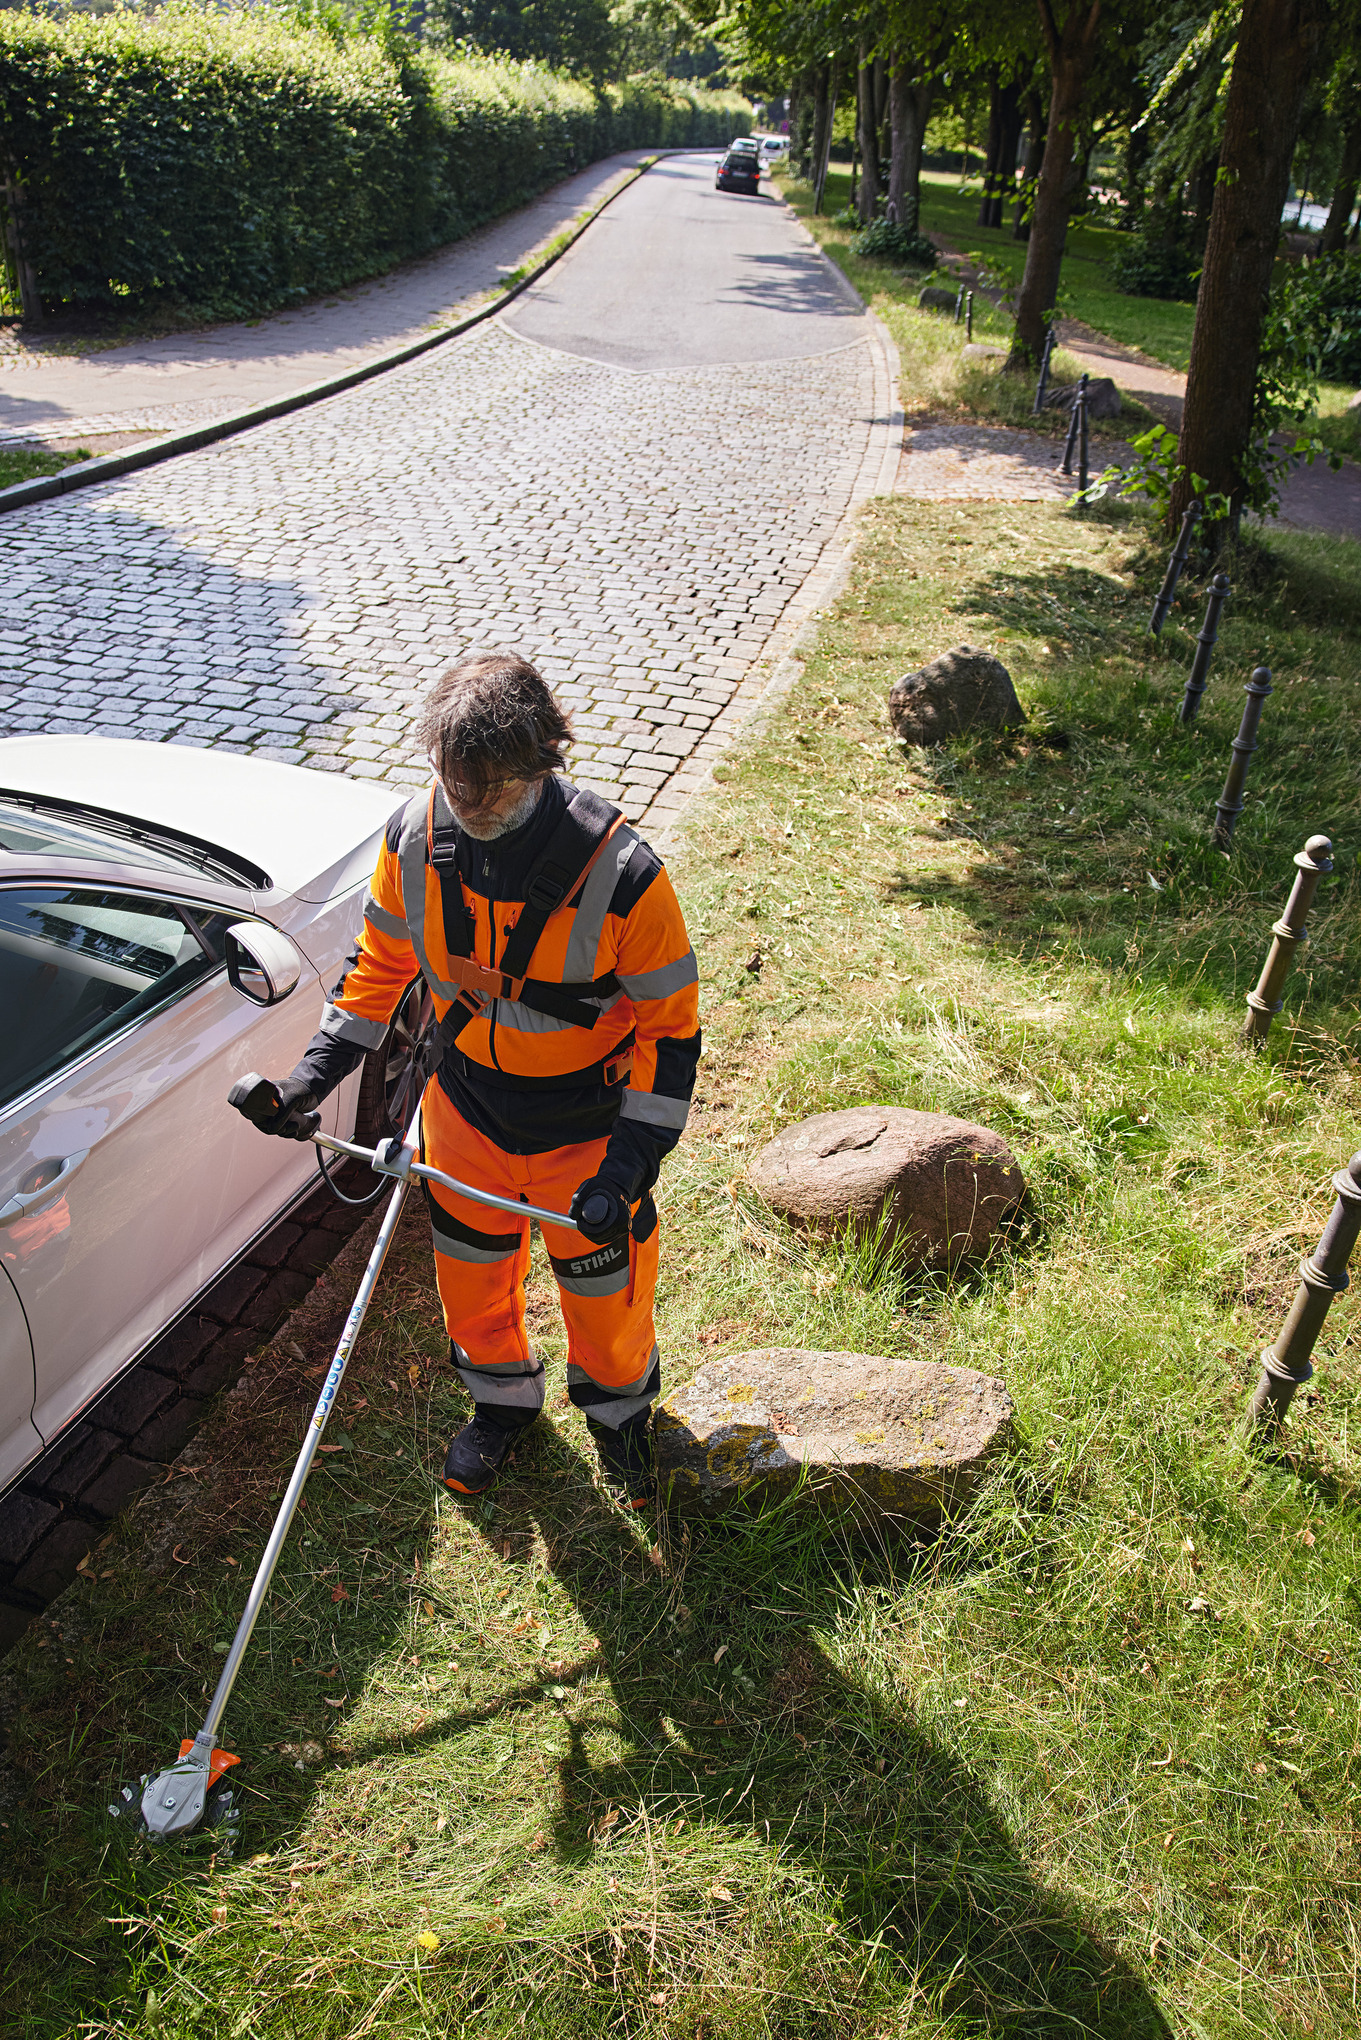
[(29, 827)]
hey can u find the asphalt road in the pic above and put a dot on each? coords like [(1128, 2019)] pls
[(679, 275)]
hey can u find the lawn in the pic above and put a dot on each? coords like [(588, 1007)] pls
[(26, 464), (1084, 1765)]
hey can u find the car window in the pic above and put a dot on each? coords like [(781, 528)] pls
[(77, 965), (44, 835)]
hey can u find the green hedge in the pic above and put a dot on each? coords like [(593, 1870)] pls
[(233, 163)]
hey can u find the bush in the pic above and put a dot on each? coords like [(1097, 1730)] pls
[(1158, 269), (1323, 299), (885, 241), (232, 163)]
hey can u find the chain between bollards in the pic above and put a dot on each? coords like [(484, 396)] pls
[(1206, 639), (1229, 806), (1288, 1364), (1174, 566), (1043, 384), (1312, 863), (1077, 419)]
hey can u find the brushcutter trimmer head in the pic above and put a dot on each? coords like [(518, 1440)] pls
[(186, 1795)]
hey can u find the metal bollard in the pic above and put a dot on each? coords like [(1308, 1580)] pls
[(1174, 567), (1229, 806), (1082, 438), (1287, 1364), (1043, 384), (1206, 639), (959, 306), (1079, 403), (1314, 862)]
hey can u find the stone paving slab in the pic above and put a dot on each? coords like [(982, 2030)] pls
[(295, 590)]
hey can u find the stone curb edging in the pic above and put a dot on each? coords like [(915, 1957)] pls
[(70, 1496), (108, 467)]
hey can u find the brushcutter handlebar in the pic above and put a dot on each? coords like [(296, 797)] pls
[(395, 1158)]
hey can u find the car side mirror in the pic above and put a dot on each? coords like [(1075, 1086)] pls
[(262, 963)]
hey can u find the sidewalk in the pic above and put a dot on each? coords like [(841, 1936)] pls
[(116, 396), (1313, 499)]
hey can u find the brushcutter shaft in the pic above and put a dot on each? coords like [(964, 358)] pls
[(392, 1158), (303, 1466)]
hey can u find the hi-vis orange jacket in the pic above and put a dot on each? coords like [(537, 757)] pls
[(599, 1032)]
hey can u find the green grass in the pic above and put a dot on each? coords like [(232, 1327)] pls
[(750, 1782), (935, 380), (1339, 423), (1158, 327), (27, 464)]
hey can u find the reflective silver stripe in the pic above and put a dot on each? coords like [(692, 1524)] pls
[(460, 1250), (516, 1388), (620, 1404), (383, 921), (352, 1027), (583, 943), (411, 856), (660, 984), (594, 1285), (654, 1110)]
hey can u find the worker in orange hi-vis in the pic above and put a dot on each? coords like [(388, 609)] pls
[(554, 948)]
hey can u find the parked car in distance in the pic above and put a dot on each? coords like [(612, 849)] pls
[(740, 169), (774, 148), (170, 919)]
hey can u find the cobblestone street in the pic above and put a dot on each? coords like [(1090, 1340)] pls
[(294, 590)]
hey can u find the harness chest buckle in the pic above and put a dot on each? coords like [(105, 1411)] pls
[(618, 1069)]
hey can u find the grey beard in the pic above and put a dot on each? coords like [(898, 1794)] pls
[(487, 829)]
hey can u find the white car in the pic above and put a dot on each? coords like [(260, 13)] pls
[(170, 919), (774, 148)]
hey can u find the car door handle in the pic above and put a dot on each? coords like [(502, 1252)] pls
[(25, 1201)]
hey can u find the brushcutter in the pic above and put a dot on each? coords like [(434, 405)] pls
[(189, 1793)]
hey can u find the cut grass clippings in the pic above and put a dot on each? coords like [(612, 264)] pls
[(1084, 1765)]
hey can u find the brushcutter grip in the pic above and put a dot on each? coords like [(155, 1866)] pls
[(255, 1097)]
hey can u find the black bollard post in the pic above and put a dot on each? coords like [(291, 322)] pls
[(1206, 638), (1287, 1364), (1229, 806), (1043, 384), (1174, 567), (1082, 438), (1079, 402), (959, 306), (1312, 863), (968, 317)]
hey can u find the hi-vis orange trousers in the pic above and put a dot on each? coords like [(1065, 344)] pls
[(482, 1258)]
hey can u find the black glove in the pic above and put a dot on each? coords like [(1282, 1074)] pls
[(600, 1211), (287, 1108)]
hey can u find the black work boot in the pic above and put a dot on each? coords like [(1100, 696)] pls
[(476, 1453), (626, 1459)]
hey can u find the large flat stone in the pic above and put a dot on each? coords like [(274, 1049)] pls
[(883, 1441), (935, 1189)]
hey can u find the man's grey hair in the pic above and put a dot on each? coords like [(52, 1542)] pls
[(493, 718)]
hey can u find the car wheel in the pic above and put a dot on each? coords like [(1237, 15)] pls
[(390, 1074)]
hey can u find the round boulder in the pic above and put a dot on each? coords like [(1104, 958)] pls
[(937, 1188), (873, 1441), (934, 299), (963, 690), (1103, 397)]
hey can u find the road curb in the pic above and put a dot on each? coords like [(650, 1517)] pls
[(192, 438)]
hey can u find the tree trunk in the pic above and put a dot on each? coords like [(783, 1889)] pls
[(1004, 169), (1279, 42), (993, 152), (822, 81), (1334, 233), (868, 140), (1034, 160), (1072, 55), (909, 106), (823, 161)]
